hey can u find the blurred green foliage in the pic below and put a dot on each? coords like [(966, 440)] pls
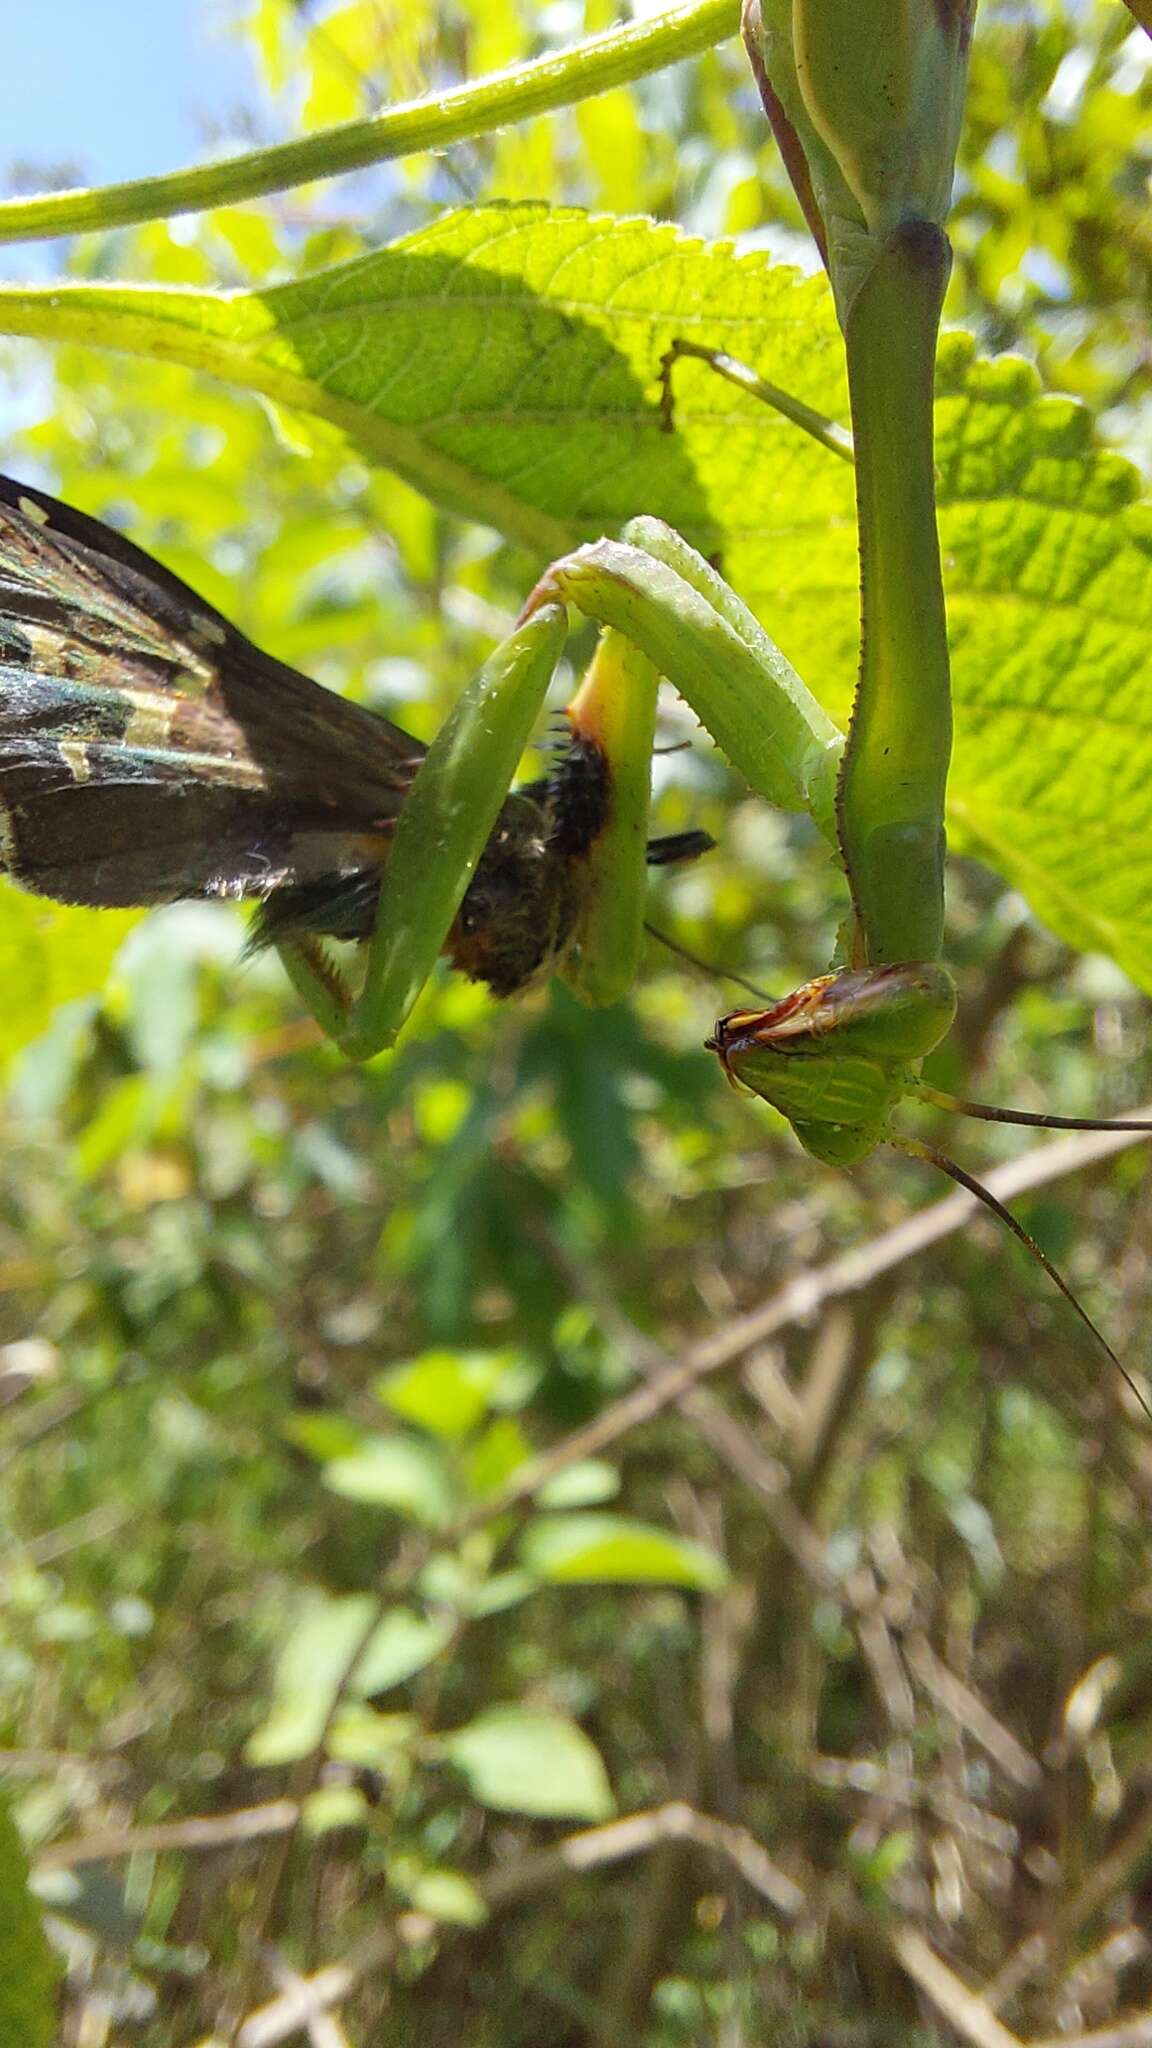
[(28, 1969), (279, 1339)]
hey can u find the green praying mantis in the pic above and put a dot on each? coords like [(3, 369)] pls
[(148, 751), (866, 103)]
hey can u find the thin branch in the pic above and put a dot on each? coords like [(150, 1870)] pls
[(964, 2010), (91, 1527), (968, 1710), (597, 1848), (210, 1831), (37, 1763), (800, 1301), (964, 1816), (323, 2030), (618, 56), (589, 1849), (1133, 2033), (1103, 1881)]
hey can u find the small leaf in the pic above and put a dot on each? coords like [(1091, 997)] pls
[(501, 1592), (403, 1644), (334, 1806), (498, 1453), (446, 1392), (582, 1486), (324, 1435), (524, 1760), (593, 1549), (309, 1670), (378, 1742), (398, 1472), (449, 1897)]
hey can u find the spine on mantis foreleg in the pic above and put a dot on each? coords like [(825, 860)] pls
[(895, 768)]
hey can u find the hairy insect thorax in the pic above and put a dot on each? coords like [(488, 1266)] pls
[(521, 909)]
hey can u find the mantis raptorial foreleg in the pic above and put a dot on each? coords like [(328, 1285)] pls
[(446, 821), (662, 610)]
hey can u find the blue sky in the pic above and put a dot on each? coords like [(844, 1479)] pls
[(116, 88)]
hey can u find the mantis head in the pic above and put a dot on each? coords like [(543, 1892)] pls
[(834, 1057)]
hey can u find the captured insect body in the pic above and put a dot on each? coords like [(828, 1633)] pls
[(149, 752)]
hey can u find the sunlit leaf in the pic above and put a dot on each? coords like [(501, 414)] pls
[(449, 1897), (592, 1549), (403, 1473), (333, 1806), (522, 1760), (445, 1392), (309, 1671), (50, 954), (403, 1644), (580, 1486)]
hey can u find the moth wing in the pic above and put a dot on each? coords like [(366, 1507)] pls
[(148, 750)]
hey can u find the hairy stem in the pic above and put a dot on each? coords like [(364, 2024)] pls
[(619, 56)]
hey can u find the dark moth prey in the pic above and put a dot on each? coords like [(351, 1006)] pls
[(149, 753)]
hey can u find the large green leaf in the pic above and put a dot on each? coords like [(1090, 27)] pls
[(1049, 561), (536, 411), (537, 408)]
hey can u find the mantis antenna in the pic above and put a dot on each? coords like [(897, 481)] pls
[(915, 1148)]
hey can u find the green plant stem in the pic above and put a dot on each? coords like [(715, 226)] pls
[(895, 771), (619, 56)]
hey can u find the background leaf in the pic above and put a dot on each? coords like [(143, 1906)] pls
[(50, 954), (592, 1549), (523, 1760), (28, 1969)]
